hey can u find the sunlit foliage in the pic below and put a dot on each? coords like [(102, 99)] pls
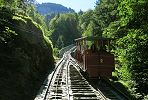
[(64, 29)]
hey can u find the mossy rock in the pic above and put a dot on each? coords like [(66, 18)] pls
[(25, 57)]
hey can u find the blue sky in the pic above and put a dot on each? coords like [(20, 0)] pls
[(74, 4)]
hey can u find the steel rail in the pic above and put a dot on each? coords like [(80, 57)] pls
[(52, 76), (57, 65)]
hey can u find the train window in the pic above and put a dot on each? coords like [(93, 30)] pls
[(93, 48), (88, 43), (94, 43)]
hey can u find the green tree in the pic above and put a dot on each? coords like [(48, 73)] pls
[(105, 13), (130, 45), (84, 19), (65, 26)]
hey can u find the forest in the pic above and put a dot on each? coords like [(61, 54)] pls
[(126, 21), (23, 31)]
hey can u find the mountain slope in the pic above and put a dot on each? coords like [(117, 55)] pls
[(46, 8)]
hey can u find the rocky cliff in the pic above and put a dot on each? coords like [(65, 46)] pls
[(25, 56)]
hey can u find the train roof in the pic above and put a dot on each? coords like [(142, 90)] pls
[(92, 38)]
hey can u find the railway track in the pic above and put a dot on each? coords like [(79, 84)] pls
[(67, 83)]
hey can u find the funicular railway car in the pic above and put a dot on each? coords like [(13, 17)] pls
[(94, 56)]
